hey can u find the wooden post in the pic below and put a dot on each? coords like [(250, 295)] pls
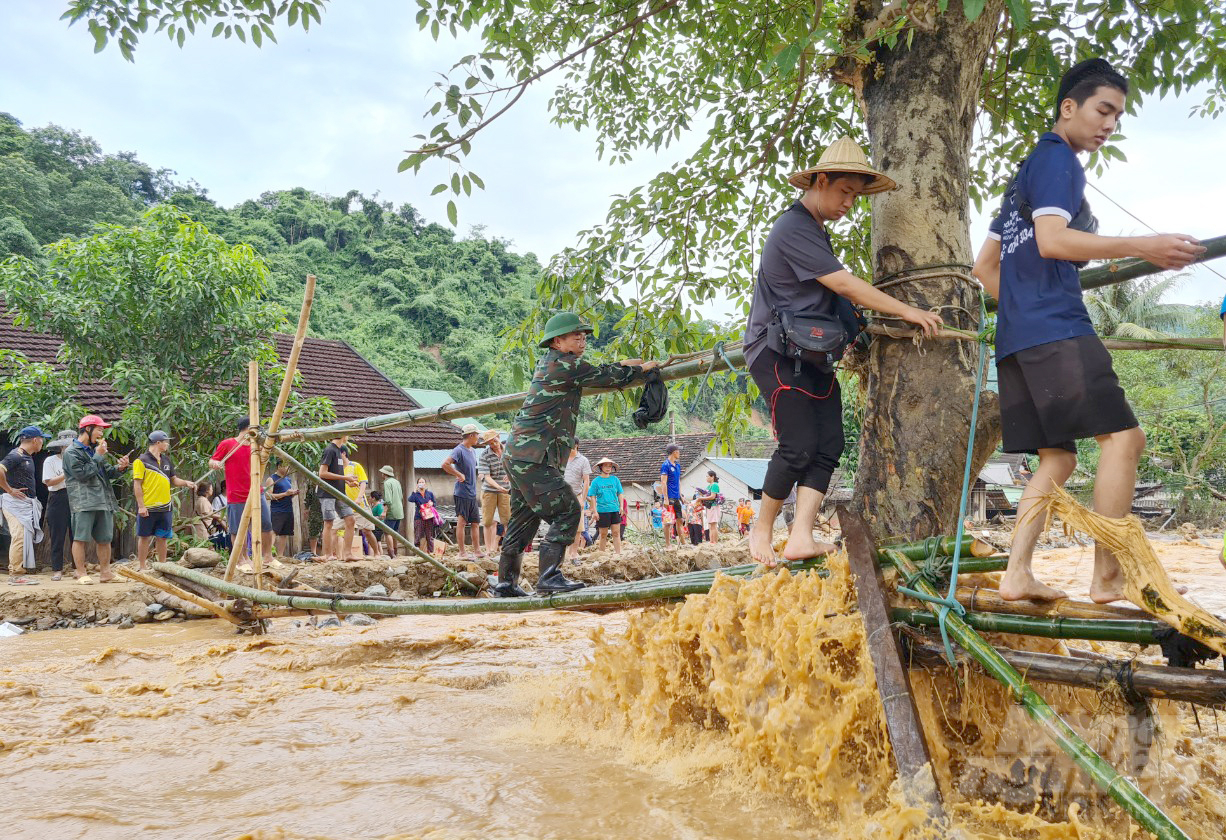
[(893, 683), (239, 549), (258, 455)]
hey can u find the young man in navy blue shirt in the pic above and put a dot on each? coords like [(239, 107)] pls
[(1056, 380)]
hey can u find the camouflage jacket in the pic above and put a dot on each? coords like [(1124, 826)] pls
[(544, 429)]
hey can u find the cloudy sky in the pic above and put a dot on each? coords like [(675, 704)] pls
[(334, 110)]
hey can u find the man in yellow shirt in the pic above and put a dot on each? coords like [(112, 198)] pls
[(153, 474)]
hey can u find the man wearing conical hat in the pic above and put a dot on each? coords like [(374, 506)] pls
[(801, 281), (1056, 381), (537, 449)]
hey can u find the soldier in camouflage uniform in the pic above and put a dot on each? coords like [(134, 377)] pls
[(536, 452)]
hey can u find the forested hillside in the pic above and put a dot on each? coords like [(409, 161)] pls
[(425, 306)]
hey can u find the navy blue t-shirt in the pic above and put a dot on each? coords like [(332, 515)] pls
[(1040, 299), (465, 460), (282, 484)]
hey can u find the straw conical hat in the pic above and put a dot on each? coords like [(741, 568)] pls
[(844, 155)]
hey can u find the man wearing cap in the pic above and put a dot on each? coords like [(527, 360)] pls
[(462, 463), (89, 477), (799, 275), (22, 512), (495, 488), (541, 438), (1057, 383), (670, 491), (59, 512), (153, 476), (393, 498)]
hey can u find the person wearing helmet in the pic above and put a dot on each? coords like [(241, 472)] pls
[(541, 439), (88, 477)]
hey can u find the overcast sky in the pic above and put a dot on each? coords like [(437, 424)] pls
[(334, 110)]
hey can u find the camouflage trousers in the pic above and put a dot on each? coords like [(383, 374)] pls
[(538, 492)]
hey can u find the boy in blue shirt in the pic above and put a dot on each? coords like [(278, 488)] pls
[(1057, 384), (606, 491)]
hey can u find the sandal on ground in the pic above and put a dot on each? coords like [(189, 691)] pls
[(85, 580), (57, 576), (109, 580), (246, 569), (22, 581)]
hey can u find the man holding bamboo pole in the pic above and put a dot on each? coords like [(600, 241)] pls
[(234, 456), (537, 450), (1056, 380)]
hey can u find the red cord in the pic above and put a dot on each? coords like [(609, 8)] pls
[(782, 388)]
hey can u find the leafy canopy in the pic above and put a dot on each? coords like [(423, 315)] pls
[(165, 311), (760, 86)]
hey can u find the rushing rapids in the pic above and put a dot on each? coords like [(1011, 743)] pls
[(748, 712)]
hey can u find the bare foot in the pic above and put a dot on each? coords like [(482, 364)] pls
[(1022, 585), (804, 547), (760, 547)]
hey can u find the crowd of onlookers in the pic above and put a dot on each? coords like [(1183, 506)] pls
[(79, 476)]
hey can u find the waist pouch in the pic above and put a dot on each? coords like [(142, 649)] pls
[(818, 340)]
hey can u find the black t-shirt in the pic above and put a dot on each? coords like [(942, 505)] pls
[(19, 470), (334, 462), (796, 253)]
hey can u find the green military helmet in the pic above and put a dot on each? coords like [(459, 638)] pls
[(563, 323)]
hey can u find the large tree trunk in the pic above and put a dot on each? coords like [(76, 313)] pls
[(920, 104)]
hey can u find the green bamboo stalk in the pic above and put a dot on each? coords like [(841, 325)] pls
[(1121, 270), (698, 366), (1055, 627), (918, 550), (311, 475), (1118, 787), (656, 589)]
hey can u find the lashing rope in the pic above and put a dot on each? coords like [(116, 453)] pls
[(950, 602)]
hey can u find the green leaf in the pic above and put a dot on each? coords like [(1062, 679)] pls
[(973, 8), (1019, 12), (453, 215), (438, 189)]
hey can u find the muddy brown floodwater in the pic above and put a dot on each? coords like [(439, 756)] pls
[(747, 713)]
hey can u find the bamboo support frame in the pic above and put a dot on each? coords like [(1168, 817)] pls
[(374, 520), (1156, 682), (240, 539), (179, 592), (1120, 788), (1122, 270), (658, 589), (258, 454), (977, 599), (1054, 627)]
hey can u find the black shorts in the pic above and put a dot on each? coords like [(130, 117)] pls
[(608, 520), (1057, 393), (467, 509), (156, 524), (676, 506), (283, 523)]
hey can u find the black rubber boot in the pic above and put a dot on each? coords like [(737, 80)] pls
[(508, 577), (552, 579)]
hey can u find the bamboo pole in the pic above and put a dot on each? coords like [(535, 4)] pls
[(1121, 270), (291, 364), (977, 599), (1120, 788), (972, 547), (240, 537), (657, 589), (258, 454), (700, 365), (313, 476), (1053, 627), (179, 592), (1111, 342), (1157, 682)]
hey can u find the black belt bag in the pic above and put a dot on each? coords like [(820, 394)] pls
[(817, 340)]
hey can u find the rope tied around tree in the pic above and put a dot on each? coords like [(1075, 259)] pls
[(931, 563)]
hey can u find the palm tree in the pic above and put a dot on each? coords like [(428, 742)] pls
[(1134, 309)]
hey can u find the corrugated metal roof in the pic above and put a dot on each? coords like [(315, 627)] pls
[(430, 398), (639, 458), (749, 471)]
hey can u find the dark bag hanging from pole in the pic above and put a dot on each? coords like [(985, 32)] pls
[(653, 405)]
